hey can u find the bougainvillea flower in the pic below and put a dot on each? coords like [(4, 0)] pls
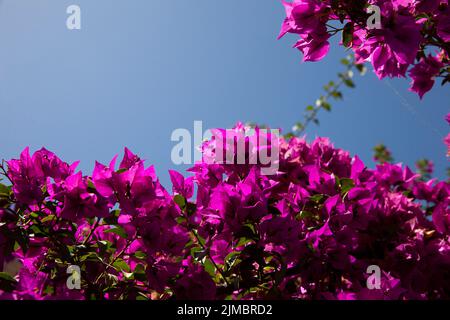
[(313, 47), (308, 232), (195, 284), (304, 16), (391, 38), (424, 73)]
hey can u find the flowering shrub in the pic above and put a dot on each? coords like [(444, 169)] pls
[(447, 138), (308, 232), (409, 33)]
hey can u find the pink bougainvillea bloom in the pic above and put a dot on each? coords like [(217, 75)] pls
[(424, 73), (313, 47), (195, 284), (408, 28), (29, 174), (443, 24), (182, 186), (323, 219), (447, 142), (393, 47), (441, 218), (78, 202), (135, 187), (26, 179), (427, 6), (307, 18), (49, 165), (304, 17)]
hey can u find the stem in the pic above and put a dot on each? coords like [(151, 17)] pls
[(110, 265), (203, 246), (209, 256), (313, 115), (96, 223), (4, 172), (334, 28), (123, 250)]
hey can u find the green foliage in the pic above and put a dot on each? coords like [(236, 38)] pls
[(382, 154), (424, 169), (332, 92)]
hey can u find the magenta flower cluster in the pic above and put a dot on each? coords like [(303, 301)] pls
[(410, 33), (226, 232)]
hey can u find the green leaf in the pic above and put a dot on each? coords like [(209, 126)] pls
[(5, 191), (181, 220), (139, 268), (199, 253), (349, 83), (180, 201), (22, 241), (34, 215), (139, 273), (326, 106), (361, 68), (209, 267), (103, 245), (111, 279), (7, 283), (247, 231), (121, 265), (191, 208), (142, 297), (336, 94), (119, 231), (298, 127), (232, 259), (91, 256), (289, 136), (231, 256), (421, 16), (347, 34), (91, 185), (306, 214), (140, 255), (128, 275), (5, 276), (38, 231), (116, 213), (346, 185), (243, 241), (48, 218), (317, 197), (112, 218)]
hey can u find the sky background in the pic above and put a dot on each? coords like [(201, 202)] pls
[(140, 69)]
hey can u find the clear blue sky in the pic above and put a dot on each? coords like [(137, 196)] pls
[(139, 69)]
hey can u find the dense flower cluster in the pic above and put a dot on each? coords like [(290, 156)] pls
[(407, 31), (308, 232), (447, 138)]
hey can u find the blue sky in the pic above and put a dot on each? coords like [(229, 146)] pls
[(139, 69)]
